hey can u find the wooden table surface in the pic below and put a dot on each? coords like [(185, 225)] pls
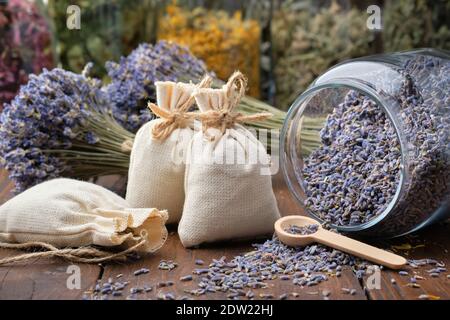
[(47, 278)]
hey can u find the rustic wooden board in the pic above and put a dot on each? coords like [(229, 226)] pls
[(46, 278), (173, 250)]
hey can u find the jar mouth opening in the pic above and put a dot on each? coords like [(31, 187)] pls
[(293, 181)]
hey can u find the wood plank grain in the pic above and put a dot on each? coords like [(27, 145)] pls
[(173, 250), (185, 258), (46, 278), (431, 243), (42, 279)]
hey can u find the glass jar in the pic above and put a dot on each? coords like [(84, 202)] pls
[(377, 163), (226, 35)]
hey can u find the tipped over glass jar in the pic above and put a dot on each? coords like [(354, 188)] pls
[(378, 163)]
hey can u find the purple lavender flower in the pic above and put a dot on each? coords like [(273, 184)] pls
[(49, 128), (134, 76)]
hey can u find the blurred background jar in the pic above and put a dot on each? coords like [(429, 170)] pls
[(227, 35), (25, 44), (108, 30), (410, 24), (308, 37), (411, 89)]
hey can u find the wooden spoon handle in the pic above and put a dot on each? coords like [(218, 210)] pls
[(359, 249)]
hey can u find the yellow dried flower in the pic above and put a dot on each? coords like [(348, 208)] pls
[(225, 42)]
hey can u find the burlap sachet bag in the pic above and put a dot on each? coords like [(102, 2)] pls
[(157, 162), (228, 188), (68, 218)]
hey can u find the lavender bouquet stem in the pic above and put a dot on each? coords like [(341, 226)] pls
[(59, 124), (133, 79), (67, 124)]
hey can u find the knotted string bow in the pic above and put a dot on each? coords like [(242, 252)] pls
[(180, 118), (224, 117)]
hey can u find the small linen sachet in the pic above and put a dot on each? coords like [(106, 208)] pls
[(157, 162), (67, 217), (228, 188)]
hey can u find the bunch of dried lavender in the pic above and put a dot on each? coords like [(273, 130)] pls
[(133, 79), (307, 41), (354, 175), (59, 125)]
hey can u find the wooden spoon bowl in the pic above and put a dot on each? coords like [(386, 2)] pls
[(334, 240)]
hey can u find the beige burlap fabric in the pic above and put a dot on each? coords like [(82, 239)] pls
[(66, 213), (227, 194), (157, 163)]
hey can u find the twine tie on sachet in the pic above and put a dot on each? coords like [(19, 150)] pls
[(226, 118), (86, 254), (175, 119)]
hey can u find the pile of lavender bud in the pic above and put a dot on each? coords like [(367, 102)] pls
[(303, 266), (302, 230), (425, 112), (243, 276), (353, 176)]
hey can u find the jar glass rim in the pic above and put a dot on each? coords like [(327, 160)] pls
[(365, 89)]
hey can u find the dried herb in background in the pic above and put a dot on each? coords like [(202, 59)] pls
[(25, 45), (133, 79), (410, 24), (306, 44), (226, 42), (108, 30)]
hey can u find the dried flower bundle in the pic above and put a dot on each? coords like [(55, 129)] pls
[(225, 42), (59, 125), (416, 24), (133, 79)]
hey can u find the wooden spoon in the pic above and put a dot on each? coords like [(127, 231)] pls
[(334, 240)]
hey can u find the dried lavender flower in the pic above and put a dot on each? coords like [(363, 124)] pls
[(133, 79), (58, 125), (303, 230), (353, 176)]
